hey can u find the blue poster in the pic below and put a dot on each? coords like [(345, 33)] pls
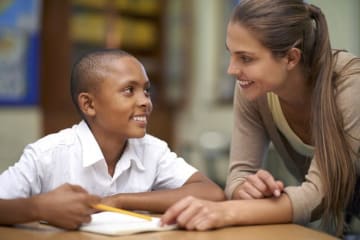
[(19, 52)]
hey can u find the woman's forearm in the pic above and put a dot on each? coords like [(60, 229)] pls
[(260, 211)]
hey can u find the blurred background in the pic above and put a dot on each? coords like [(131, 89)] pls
[(180, 42)]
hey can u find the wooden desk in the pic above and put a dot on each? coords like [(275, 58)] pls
[(36, 231)]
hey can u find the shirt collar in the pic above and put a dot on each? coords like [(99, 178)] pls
[(91, 152), (133, 152)]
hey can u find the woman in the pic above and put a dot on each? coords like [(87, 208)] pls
[(294, 91)]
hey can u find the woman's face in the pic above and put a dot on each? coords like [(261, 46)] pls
[(253, 66)]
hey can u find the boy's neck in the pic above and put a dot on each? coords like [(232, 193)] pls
[(111, 147), (112, 156)]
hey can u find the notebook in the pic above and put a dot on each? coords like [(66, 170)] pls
[(111, 223)]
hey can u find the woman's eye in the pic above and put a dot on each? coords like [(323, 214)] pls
[(246, 59)]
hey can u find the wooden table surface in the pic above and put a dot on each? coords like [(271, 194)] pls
[(37, 231)]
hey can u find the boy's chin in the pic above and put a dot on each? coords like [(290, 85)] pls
[(139, 135)]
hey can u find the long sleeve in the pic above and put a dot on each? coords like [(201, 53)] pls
[(249, 142)]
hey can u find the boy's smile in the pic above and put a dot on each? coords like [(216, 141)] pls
[(141, 120)]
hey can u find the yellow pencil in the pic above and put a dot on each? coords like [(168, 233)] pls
[(104, 207)]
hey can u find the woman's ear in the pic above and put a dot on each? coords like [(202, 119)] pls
[(293, 57), (86, 104)]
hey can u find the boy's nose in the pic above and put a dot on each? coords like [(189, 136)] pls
[(144, 101)]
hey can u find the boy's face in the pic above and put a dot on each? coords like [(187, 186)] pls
[(122, 100)]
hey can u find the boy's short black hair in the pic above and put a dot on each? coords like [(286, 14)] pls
[(88, 69)]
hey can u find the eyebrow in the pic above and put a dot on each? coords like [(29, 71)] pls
[(133, 82), (237, 52), (240, 52)]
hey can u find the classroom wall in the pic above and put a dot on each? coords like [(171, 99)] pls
[(18, 127), (344, 23)]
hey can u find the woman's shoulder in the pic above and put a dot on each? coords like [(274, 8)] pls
[(347, 73), (348, 88), (346, 62)]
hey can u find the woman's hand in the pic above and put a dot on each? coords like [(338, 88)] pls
[(195, 214), (259, 185)]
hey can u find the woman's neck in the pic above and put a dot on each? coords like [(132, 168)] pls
[(297, 91), (295, 103)]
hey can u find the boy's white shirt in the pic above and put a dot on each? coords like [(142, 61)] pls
[(73, 156)]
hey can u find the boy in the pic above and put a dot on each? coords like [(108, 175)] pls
[(108, 154)]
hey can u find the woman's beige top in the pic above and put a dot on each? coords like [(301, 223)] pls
[(254, 128)]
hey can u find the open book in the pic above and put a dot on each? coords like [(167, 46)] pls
[(111, 223)]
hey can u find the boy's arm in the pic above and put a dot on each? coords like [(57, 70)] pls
[(198, 185), (68, 206)]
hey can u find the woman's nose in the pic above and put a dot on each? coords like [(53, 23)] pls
[(233, 69)]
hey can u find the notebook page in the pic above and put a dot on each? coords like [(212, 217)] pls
[(111, 223)]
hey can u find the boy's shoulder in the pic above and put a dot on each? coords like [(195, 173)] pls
[(65, 137)]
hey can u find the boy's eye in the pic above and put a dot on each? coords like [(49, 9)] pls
[(147, 91), (129, 90)]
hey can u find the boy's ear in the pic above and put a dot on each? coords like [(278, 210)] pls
[(293, 57), (86, 104)]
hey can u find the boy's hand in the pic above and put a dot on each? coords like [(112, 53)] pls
[(67, 206), (259, 185), (112, 201)]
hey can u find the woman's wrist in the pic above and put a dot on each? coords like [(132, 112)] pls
[(232, 212)]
